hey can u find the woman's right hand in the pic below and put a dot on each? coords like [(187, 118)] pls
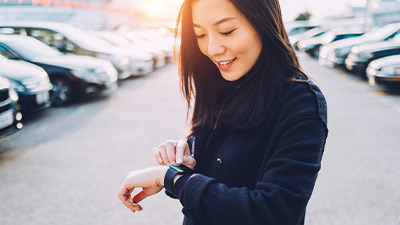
[(174, 152)]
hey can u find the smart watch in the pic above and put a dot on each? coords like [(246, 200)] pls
[(172, 171)]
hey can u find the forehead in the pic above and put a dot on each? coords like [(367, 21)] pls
[(207, 12)]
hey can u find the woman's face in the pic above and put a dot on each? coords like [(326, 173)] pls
[(226, 37)]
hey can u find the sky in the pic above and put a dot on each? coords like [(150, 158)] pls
[(318, 8), (291, 8)]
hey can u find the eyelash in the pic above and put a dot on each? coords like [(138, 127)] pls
[(223, 33), (228, 33)]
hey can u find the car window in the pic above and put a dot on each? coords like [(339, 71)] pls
[(32, 49), (52, 39), (7, 53), (10, 30)]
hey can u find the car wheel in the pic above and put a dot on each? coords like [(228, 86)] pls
[(61, 92)]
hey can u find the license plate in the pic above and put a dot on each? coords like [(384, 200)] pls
[(42, 97), (6, 119)]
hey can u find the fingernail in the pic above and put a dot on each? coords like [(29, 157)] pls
[(160, 160)]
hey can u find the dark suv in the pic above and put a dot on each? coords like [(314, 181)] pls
[(10, 117)]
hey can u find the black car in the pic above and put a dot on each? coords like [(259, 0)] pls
[(315, 32), (385, 71), (335, 54), (72, 76), (361, 55), (70, 39), (10, 116), (312, 45), (30, 82)]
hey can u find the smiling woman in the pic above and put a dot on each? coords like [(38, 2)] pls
[(258, 126), (226, 38)]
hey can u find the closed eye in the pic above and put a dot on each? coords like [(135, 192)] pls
[(200, 36), (227, 33)]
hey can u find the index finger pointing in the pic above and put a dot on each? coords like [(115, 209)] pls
[(180, 149)]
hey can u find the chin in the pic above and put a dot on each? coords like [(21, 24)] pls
[(230, 77)]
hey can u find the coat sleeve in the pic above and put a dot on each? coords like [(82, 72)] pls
[(282, 192)]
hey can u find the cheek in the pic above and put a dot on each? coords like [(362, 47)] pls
[(247, 45), (202, 46)]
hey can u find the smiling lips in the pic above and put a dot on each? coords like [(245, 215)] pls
[(226, 64)]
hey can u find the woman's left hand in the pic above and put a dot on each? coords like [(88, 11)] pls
[(151, 180)]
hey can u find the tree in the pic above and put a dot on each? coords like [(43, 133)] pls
[(306, 15)]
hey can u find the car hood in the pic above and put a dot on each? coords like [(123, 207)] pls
[(346, 43), (379, 46), (19, 70), (4, 83), (312, 41), (386, 61), (73, 62)]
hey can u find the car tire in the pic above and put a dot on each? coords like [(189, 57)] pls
[(61, 92)]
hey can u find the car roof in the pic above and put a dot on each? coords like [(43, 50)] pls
[(37, 24)]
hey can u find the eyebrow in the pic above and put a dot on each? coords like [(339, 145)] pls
[(218, 22)]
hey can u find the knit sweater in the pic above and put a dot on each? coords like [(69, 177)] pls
[(260, 176)]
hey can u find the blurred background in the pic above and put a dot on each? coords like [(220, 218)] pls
[(89, 87)]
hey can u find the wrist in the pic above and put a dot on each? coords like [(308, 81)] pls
[(173, 173), (163, 171)]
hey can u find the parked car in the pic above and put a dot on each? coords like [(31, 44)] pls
[(361, 55), (31, 83), (166, 44), (313, 45), (298, 27), (385, 71), (10, 115), (72, 76), (315, 32), (70, 39), (159, 55), (335, 54), (141, 62)]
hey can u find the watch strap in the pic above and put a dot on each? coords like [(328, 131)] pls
[(172, 171)]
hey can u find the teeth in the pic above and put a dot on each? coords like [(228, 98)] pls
[(224, 63)]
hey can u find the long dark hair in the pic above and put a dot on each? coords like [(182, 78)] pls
[(201, 80)]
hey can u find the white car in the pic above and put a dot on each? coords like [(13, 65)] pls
[(141, 62)]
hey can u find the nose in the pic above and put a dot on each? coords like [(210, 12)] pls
[(215, 46)]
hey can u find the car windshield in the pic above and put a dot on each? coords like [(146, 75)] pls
[(380, 33), (2, 59), (32, 49), (82, 38), (115, 39)]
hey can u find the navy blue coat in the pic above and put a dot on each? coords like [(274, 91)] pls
[(260, 176)]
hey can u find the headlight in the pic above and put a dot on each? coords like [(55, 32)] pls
[(85, 75), (17, 86), (112, 73), (363, 56), (13, 94), (323, 53), (342, 51), (393, 70)]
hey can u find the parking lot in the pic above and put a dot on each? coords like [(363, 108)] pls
[(66, 164)]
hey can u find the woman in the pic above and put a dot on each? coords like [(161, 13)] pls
[(258, 127)]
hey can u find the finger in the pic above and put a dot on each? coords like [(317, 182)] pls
[(170, 149), (189, 161), (139, 197), (124, 195), (181, 148), (157, 156), (163, 153)]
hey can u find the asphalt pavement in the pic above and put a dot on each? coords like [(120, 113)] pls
[(67, 163)]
